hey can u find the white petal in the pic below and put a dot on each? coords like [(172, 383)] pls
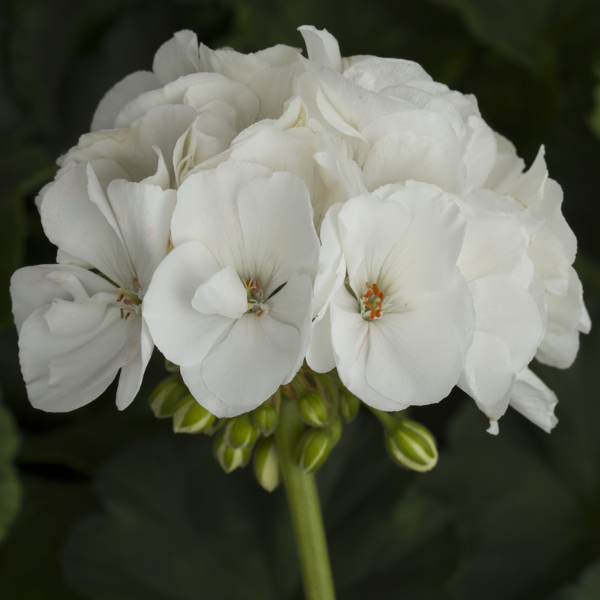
[(73, 222), (181, 333), (320, 356), (481, 151), (222, 294), (534, 399), (407, 244), (34, 287), (559, 351), (130, 379), (487, 374), (495, 246), (177, 57), (65, 372), (251, 362), (376, 74), (207, 208), (322, 47), (350, 338), (416, 144), (332, 264), (119, 95), (278, 232), (292, 305), (143, 213), (507, 311)]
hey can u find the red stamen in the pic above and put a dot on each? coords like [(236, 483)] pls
[(129, 302), (127, 315), (121, 296), (373, 313), (368, 304), (378, 314), (376, 289), (121, 313), (259, 313)]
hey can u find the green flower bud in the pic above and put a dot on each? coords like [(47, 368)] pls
[(411, 445), (265, 418), (191, 417), (336, 431), (266, 464), (313, 409), (312, 449), (240, 432), (168, 397), (349, 405), (230, 458)]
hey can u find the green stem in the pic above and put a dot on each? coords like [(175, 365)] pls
[(385, 418), (305, 508)]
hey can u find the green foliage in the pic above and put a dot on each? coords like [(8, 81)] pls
[(173, 524)]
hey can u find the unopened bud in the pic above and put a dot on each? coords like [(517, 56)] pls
[(230, 458), (336, 431), (411, 445), (240, 432), (265, 418), (313, 409), (349, 405), (266, 464), (168, 397), (312, 449), (192, 417)]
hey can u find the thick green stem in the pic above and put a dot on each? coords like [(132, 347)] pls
[(305, 508)]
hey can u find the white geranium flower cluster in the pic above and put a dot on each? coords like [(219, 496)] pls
[(246, 213)]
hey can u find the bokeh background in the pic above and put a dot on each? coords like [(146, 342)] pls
[(104, 505)]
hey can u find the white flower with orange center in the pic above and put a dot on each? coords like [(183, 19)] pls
[(400, 319), (232, 303)]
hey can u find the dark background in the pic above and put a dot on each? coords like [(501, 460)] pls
[(109, 506)]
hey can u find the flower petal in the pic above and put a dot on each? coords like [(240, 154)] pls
[(534, 400), (182, 334), (222, 294)]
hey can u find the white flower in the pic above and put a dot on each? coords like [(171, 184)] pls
[(552, 251), (402, 324), (510, 318), (232, 303), (76, 328), (393, 120), (162, 123)]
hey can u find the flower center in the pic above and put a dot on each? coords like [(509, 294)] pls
[(256, 296), (129, 297), (372, 303)]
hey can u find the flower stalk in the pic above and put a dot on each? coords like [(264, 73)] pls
[(305, 509)]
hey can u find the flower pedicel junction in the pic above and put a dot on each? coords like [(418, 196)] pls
[(298, 236)]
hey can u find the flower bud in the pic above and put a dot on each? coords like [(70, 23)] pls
[(336, 431), (230, 458), (312, 449), (313, 409), (168, 397), (411, 445), (192, 417), (349, 405), (240, 432), (265, 418), (266, 464)]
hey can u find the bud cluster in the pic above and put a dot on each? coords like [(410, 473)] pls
[(323, 405)]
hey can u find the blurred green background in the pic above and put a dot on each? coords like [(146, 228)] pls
[(104, 505)]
